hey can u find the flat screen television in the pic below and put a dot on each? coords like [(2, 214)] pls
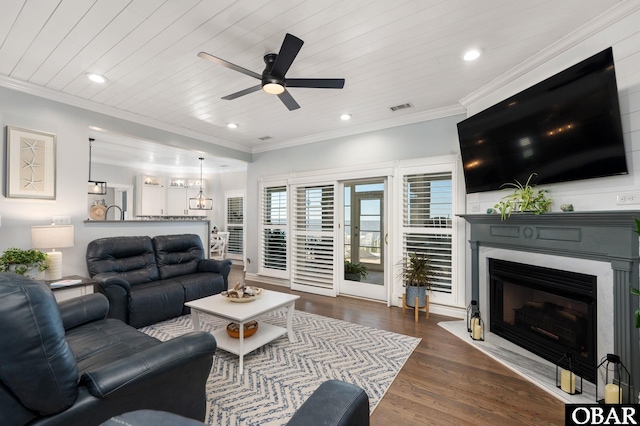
[(565, 128)]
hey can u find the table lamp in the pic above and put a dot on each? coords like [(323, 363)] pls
[(53, 237)]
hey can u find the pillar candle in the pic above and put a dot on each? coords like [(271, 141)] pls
[(477, 332), (474, 321), (568, 381), (612, 394)]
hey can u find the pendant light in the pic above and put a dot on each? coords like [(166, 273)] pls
[(200, 202), (95, 187)]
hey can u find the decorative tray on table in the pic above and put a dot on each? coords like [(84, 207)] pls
[(241, 293)]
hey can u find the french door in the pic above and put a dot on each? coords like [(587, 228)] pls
[(364, 239)]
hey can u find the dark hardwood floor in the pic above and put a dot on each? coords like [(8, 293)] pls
[(445, 381)]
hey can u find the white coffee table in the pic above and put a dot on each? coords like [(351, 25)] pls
[(241, 313)]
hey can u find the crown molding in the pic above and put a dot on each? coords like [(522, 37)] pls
[(592, 27), (417, 117), (56, 96)]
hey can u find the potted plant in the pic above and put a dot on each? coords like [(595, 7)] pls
[(417, 274), (23, 262), (354, 271), (525, 198)]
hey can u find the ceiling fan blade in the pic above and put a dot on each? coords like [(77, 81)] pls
[(242, 92), (288, 52), (316, 83), (229, 65), (288, 100)]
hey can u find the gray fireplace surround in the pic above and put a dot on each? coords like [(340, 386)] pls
[(606, 236)]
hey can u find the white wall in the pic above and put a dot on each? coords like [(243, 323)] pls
[(71, 125), (591, 194)]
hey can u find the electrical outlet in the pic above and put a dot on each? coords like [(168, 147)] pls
[(475, 208), (61, 220), (628, 198)]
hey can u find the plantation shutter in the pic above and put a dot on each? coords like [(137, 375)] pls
[(312, 242), (273, 244), (428, 223), (235, 226)]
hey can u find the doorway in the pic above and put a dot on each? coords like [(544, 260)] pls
[(364, 235)]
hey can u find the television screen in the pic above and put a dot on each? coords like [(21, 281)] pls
[(564, 128)]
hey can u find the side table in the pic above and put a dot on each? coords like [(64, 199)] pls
[(85, 286)]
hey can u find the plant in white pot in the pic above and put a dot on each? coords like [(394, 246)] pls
[(525, 198), (23, 262), (417, 274)]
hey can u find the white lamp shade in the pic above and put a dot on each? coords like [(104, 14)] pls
[(53, 237)]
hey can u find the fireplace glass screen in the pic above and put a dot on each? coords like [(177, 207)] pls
[(546, 311)]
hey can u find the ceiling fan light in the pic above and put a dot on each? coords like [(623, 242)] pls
[(273, 88)]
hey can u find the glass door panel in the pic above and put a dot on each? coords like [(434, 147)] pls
[(364, 239)]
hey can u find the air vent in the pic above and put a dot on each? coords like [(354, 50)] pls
[(399, 107), (265, 138)]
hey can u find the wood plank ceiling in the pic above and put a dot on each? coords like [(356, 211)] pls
[(389, 52)]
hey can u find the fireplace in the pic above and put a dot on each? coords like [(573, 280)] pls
[(547, 311)]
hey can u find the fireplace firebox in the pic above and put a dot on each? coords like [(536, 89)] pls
[(547, 311)]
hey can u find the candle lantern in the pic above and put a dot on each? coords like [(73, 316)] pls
[(566, 379), (476, 327), (472, 309), (616, 389)]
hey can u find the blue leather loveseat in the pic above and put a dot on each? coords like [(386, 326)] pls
[(148, 280)]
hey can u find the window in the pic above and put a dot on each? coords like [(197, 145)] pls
[(273, 254), (235, 225), (428, 222)]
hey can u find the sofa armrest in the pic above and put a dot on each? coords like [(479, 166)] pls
[(107, 280), (213, 265), (334, 403), (83, 309), (145, 366)]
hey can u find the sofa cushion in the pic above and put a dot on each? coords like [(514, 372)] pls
[(35, 359), (156, 301), (177, 255), (129, 258), (100, 342)]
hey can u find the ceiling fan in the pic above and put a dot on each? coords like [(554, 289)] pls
[(273, 77)]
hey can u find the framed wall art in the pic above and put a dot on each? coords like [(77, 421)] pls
[(30, 164)]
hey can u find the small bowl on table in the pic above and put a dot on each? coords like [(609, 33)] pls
[(250, 328)]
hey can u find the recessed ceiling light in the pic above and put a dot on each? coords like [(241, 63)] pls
[(471, 55), (96, 78), (345, 117), (232, 125)]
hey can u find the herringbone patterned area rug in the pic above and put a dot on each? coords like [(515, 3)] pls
[(280, 376)]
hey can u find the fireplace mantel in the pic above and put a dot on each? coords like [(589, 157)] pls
[(606, 236)]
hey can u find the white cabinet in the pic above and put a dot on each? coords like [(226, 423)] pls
[(179, 191), (150, 196)]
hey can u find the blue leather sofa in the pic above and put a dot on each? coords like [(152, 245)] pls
[(148, 280)]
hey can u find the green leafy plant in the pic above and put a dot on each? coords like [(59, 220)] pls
[(417, 270), (20, 261), (357, 271), (525, 198)]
